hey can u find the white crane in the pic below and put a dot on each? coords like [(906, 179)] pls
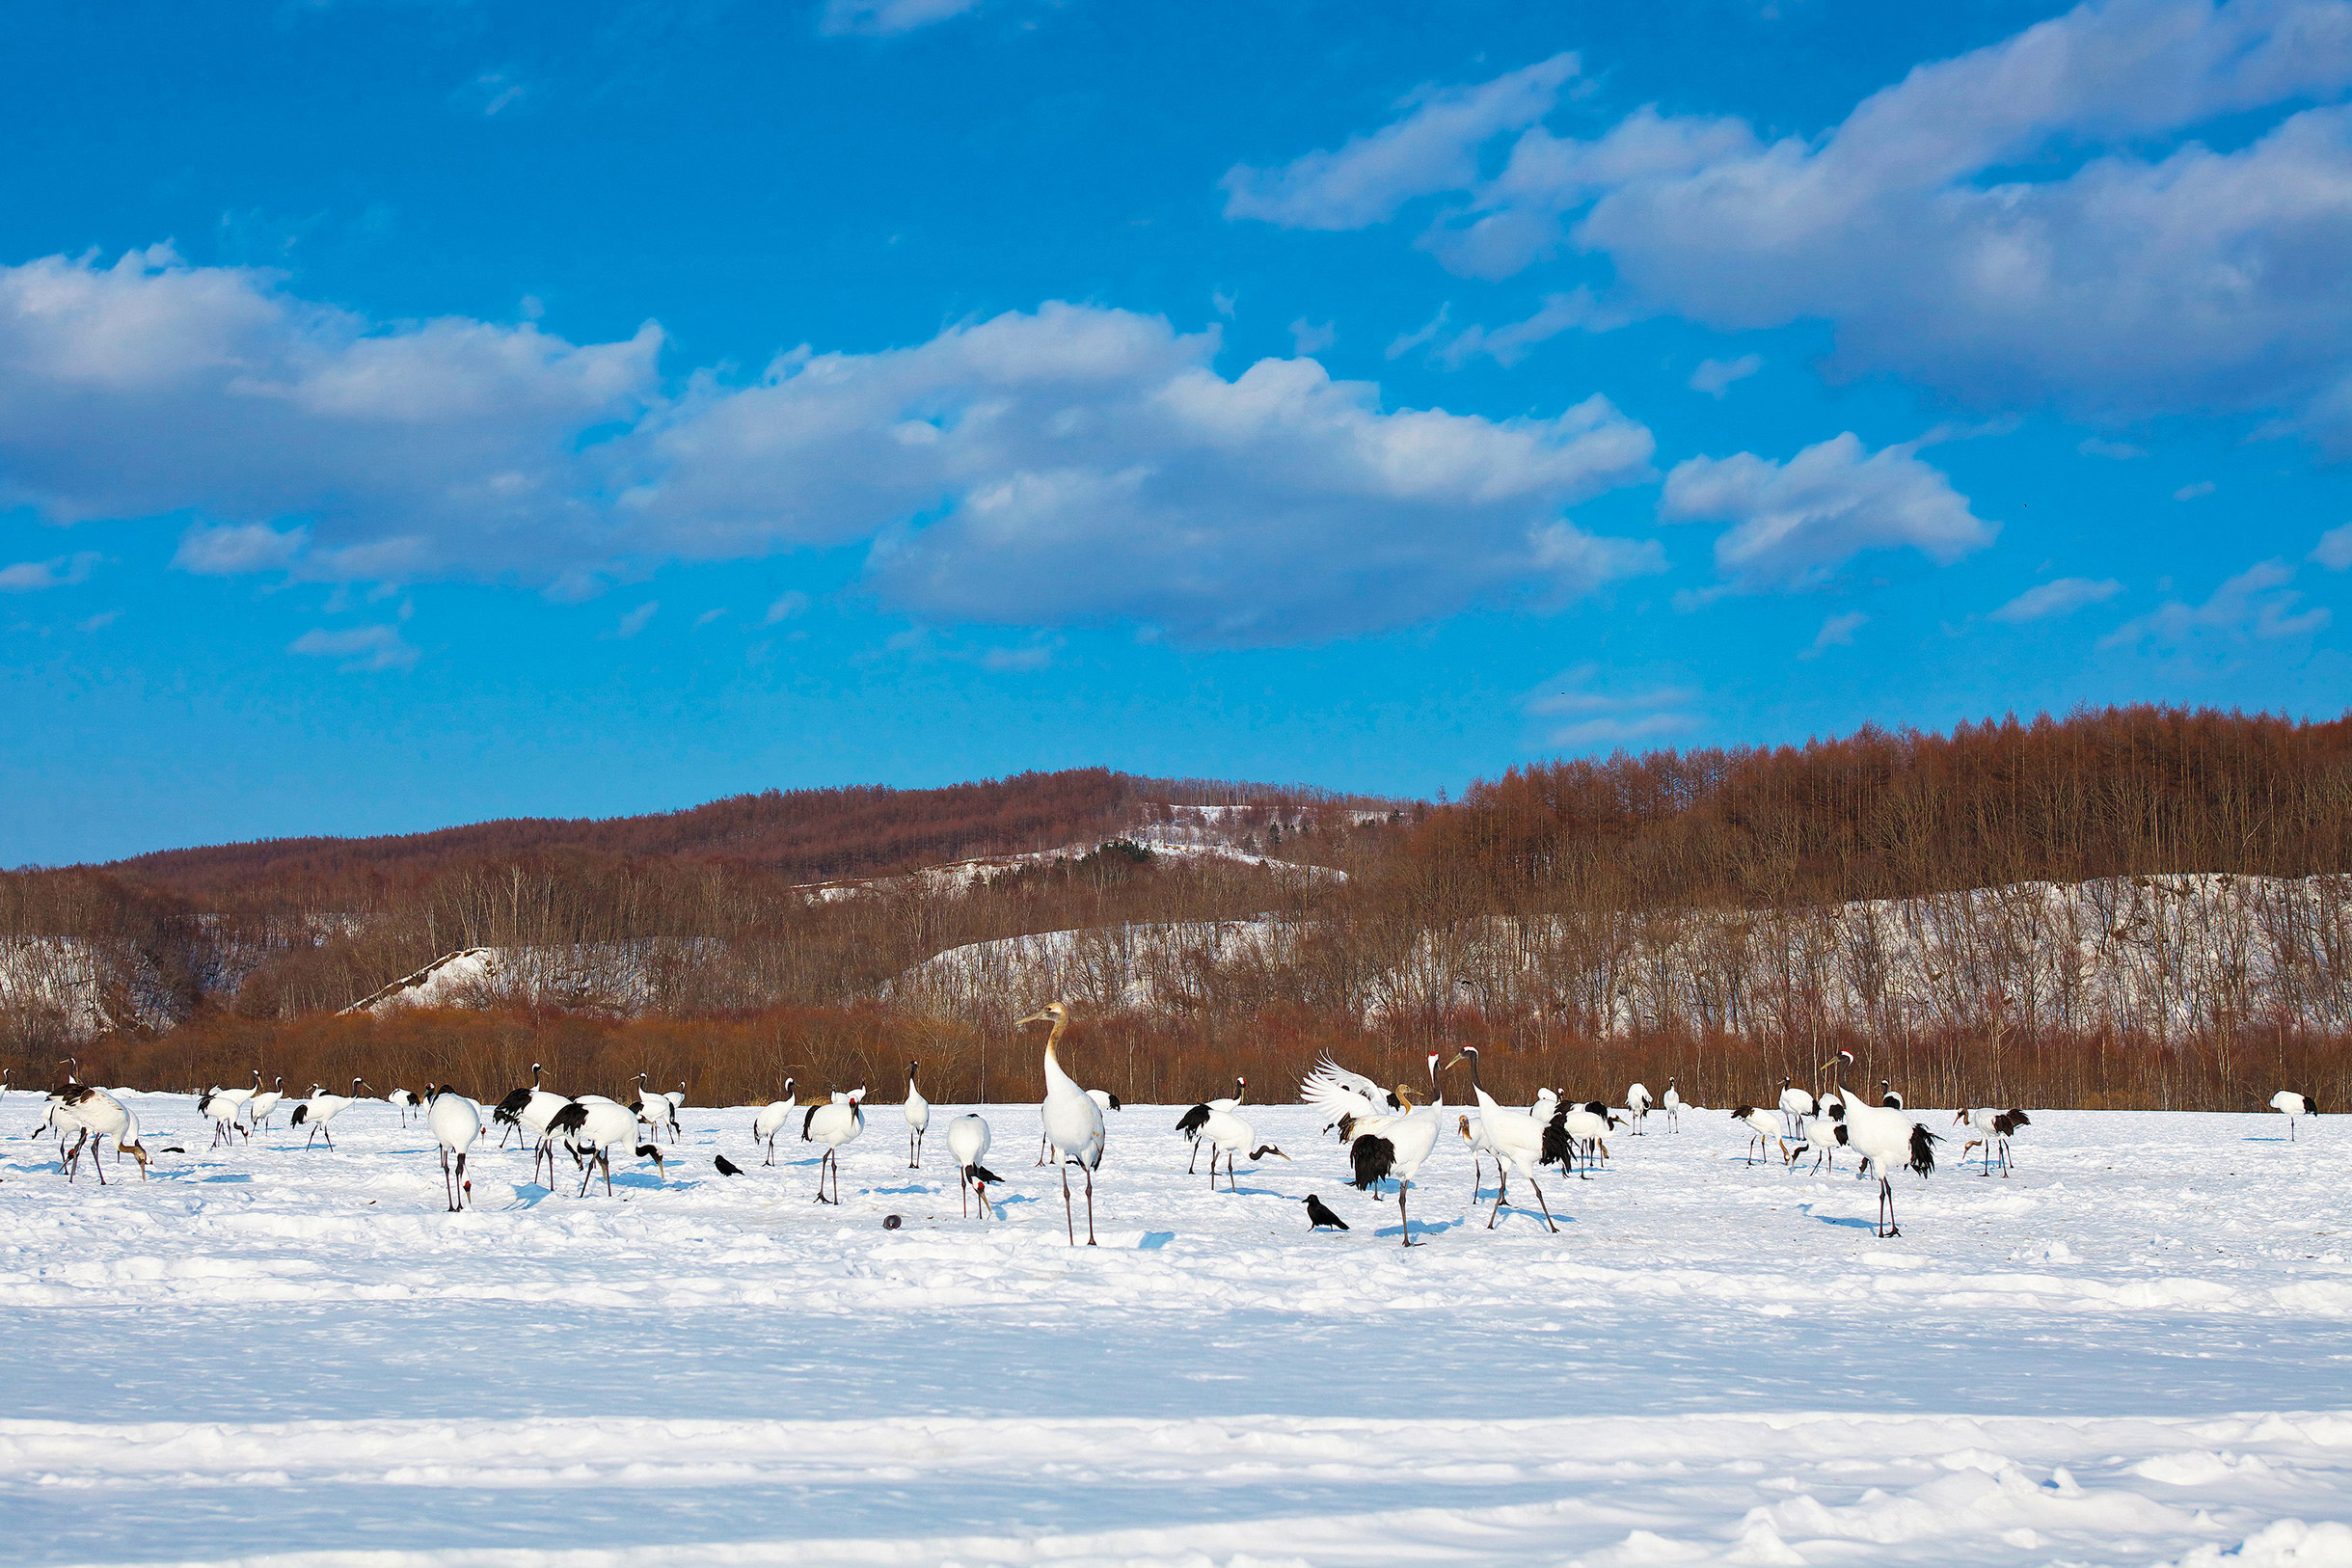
[(918, 1111), (1760, 1124), (1472, 1132), (1345, 1095), (2293, 1104), (655, 1109), (592, 1132), (263, 1102), (98, 1116), (1820, 1137), (967, 1145), (1994, 1129), (1887, 1096), (1072, 1119), (1386, 1146), (322, 1108), (773, 1119), (1672, 1102), (1515, 1138), (1227, 1134), (454, 1123), (1889, 1140), (1637, 1105), (1795, 1104), (833, 1123), (227, 1109), (1193, 1120), (404, 1103), (1584, 1125), (509, 1112)]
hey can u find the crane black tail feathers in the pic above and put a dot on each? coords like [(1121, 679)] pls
[(301, 1114), (1555, 1139), (1374, 1158), (2018, 1118), (1192, 1122), (571, 1119), (1923, 1150), (808, 1119)]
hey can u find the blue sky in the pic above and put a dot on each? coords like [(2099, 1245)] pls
[(417, 411)]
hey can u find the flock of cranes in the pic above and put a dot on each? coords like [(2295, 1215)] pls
[(1389, 1134)]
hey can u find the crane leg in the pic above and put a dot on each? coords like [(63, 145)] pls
[(1494, 1213), (1403, 1218), (1886, 1210), (1068, 1219), (1089, 1205), (1191, 1165), (1546, 1208)]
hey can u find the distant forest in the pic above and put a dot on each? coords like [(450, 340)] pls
[(1586, 919)]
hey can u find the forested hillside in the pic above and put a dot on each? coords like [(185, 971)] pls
[(2141, 904)]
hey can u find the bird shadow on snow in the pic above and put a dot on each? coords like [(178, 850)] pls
[(1423, 1228), (1850, 1222), (909, 1191)]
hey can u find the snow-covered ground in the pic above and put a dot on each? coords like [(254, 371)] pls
[(2138, 1350)]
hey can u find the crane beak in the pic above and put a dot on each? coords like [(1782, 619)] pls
[(1034, 1018)]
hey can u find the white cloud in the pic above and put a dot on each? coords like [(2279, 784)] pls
[(365, 647), (1510, 344), (2194, 492), (150, 386), (1079, 464), (1073, 463), (1795, 523), (1837, 632), (709, 617), (227, 551), (2254, 606), (2021, 223), (1714, 377), (1432, 148), (2119, 451), (1580, 717), (2061, 596), (888, 17), (1312, 337), (58, 572), (788, 604), (635, 620), (2334, 549)]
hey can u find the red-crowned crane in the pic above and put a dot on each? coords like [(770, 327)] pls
[(1890, 1141), (455, 1123), (835, 1122), (1386, 1146), (967, 1145), (918, 1111), (1072, 1119), (1516, 1138), (98, 1116), (320, 1109), (771, 1120), (2293, 1103), (1761, 1126), (1193, 1120)]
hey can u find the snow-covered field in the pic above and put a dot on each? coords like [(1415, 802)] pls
[(2139, 1350)]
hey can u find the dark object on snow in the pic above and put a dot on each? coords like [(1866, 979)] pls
[(1318, 1215), (726, 1166), (891, 1222)]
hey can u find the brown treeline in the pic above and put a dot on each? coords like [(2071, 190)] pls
[(1589, 922)]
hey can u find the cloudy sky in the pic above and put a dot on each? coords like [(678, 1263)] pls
[(416, 410)]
